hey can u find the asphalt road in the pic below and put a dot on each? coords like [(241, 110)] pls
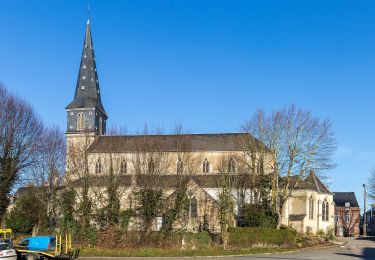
[(361, 248)]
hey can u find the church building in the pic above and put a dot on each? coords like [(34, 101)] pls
[(97, 160)]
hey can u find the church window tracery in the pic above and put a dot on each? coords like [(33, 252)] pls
[(325, 210), (311, 208)]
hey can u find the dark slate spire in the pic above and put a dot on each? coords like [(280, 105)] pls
[(87, 94)]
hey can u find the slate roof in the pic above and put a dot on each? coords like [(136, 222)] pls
[(87, 94), (340, 198), (166, 181), (171, 143), (311, 182)]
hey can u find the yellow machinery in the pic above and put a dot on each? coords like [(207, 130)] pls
[(6, 235)]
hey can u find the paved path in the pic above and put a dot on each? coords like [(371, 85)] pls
[(361, 248)]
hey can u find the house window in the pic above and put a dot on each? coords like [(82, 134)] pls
[(98, 167), (232, 166), (81, 121), (347, 219), (180, 166), (206, 166), (311, 208), (123, 167), (325, 211), (336, 218), (193, 208)]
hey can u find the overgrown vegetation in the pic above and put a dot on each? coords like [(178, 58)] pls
[(261, 237)]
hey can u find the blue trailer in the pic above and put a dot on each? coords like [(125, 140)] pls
[(47, 247)]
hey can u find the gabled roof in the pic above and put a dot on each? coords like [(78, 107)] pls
[(171, 143), (311, 182), (87, 93), (314, 183), (340, 198)]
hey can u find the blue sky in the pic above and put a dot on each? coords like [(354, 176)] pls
[(205, 64)]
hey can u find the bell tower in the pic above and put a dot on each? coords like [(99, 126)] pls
[(86, 114)]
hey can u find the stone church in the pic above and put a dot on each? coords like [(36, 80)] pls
[(132, 161)]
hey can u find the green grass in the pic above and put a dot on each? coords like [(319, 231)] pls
[(159, 252)]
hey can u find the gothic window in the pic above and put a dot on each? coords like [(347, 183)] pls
[(193, 208), (180, 166), (100, 125), (80, 121), (151, 166), (325, 211), (311, 208), (232, 165), (206, 166), (130, 199), (98, 167), (123, 167)]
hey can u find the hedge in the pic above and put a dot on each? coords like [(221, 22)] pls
[(261, 237)]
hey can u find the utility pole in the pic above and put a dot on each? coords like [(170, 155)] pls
[(364, 213)]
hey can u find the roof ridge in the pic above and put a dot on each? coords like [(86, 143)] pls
[(193, 134)]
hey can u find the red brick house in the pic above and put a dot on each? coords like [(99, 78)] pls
[(347, 214)]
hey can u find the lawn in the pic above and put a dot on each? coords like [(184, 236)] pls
[(159, 252)]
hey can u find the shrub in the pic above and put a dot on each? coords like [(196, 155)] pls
[(255, 216), (27, 213), (261, 237), (199, 240), (308, 231)]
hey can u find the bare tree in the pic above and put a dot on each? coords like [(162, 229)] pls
[(49, 169), (150, 163), (298, 142), (79, 176), (371, 185), (114, 168), (20, 133)]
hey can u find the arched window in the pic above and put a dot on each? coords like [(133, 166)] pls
[(130, 199), (193, 208), (123, 167), (151, 166), (206, 166), (180, 166), (325, 211), (232, 165), (80, 121), (98, 167), (311, 208), (100, 125)]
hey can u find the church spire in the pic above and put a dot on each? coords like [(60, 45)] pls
[(87, 94), (86, 112)]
